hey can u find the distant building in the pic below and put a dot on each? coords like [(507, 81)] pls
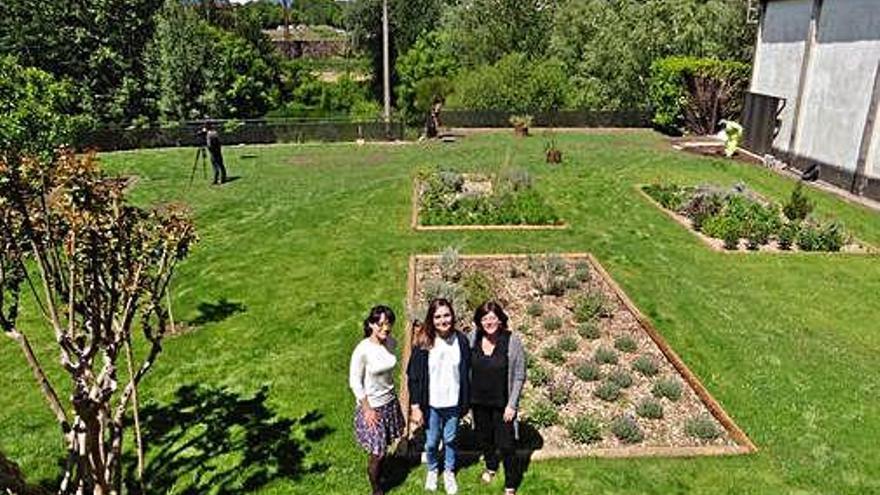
[(823, 58), (311, 41)]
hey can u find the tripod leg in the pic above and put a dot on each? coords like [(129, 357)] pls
[(192, 174)]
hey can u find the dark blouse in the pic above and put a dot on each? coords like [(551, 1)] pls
[(489, 373)]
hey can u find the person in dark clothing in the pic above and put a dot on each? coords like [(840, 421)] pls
[(497, 378), (212, 142), (438, 375)]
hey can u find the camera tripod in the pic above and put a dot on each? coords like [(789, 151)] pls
[(201, 153)]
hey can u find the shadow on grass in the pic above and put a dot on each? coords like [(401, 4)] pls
[(408, 458), (214, 440), (215, 312)]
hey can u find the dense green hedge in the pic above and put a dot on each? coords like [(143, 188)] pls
[(693, 94)]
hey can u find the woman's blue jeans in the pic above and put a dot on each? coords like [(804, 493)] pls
[(441, 421)]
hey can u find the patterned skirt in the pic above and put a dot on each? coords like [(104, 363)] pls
[(376, 440)]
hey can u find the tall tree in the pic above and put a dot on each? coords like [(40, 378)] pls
[(98, 268), (96, 44)]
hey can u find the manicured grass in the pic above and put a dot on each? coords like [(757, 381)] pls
[(311, 236)]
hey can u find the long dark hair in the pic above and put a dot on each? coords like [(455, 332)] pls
[(486, 308), (375, 317), (425, 338)]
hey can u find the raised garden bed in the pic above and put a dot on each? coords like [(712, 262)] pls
[(451, 200), (599, 374), (737, 219)]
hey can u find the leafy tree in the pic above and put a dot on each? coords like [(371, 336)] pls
[(97, 268), (98, 45), (35, 110), (513, 84), (408, 19), (430, 58), (608, 47), (176, 58), (484, 31)]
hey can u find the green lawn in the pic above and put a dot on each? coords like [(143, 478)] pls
[(311, 236)]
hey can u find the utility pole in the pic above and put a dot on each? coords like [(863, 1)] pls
[(386, 71), (285, 5)]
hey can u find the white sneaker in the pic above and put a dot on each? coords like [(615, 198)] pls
[(449, 482), (431, 481)]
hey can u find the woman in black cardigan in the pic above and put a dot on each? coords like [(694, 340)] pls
[(438, 377)]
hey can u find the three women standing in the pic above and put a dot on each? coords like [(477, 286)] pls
[(448, 373)]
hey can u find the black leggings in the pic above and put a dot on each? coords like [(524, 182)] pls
[(494, 435)]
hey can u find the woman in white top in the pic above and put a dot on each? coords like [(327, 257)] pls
[(378, 420), (437, 377)]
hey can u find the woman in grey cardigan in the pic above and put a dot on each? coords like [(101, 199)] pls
[(498, 372)]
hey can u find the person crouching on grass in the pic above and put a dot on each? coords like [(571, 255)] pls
[(378, 420), (438, 376)]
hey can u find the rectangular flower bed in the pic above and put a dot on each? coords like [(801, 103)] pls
[(448, 200), (601, 380), (737, 219)]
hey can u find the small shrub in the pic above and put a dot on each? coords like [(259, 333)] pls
[(524, 329), (607, 391), (832, 237), (514, 271), (645, 365), (604, 355), (627, 429), (787, 235), (809, 237), (669, 388), (567, 343), (543, 414), (587, 371), (702, 427), (515, 179), (554, 355), (478, 287), (572, 283), (584, 429), (798, 206), (559, 391), (621, 378), (535, 309), (450, 264), (439, 288), (549, 274), (701, 206), (625, 343), (589, 306), (552, 323), (582, 271), (670, 196), (538, 375), (589, 330), (650, 408)]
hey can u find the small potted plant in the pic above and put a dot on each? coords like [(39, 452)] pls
[(521, 124), (554, 154)]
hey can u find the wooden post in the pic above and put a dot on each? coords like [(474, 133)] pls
[(809, 45), (859, 180)]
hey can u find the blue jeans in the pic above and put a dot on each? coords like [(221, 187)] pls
[(441, 420)]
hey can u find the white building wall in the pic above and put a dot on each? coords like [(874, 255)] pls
[(839, 83), (779, 55)]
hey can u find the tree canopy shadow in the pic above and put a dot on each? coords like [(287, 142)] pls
[(215, 312), (212, 440)]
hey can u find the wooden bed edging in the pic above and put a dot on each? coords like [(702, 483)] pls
[(414, 220), (745, 445)]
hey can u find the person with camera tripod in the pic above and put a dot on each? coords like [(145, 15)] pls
[(212, 142)]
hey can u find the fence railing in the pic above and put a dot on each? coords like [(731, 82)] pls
[(559, 118), (248, 132)]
